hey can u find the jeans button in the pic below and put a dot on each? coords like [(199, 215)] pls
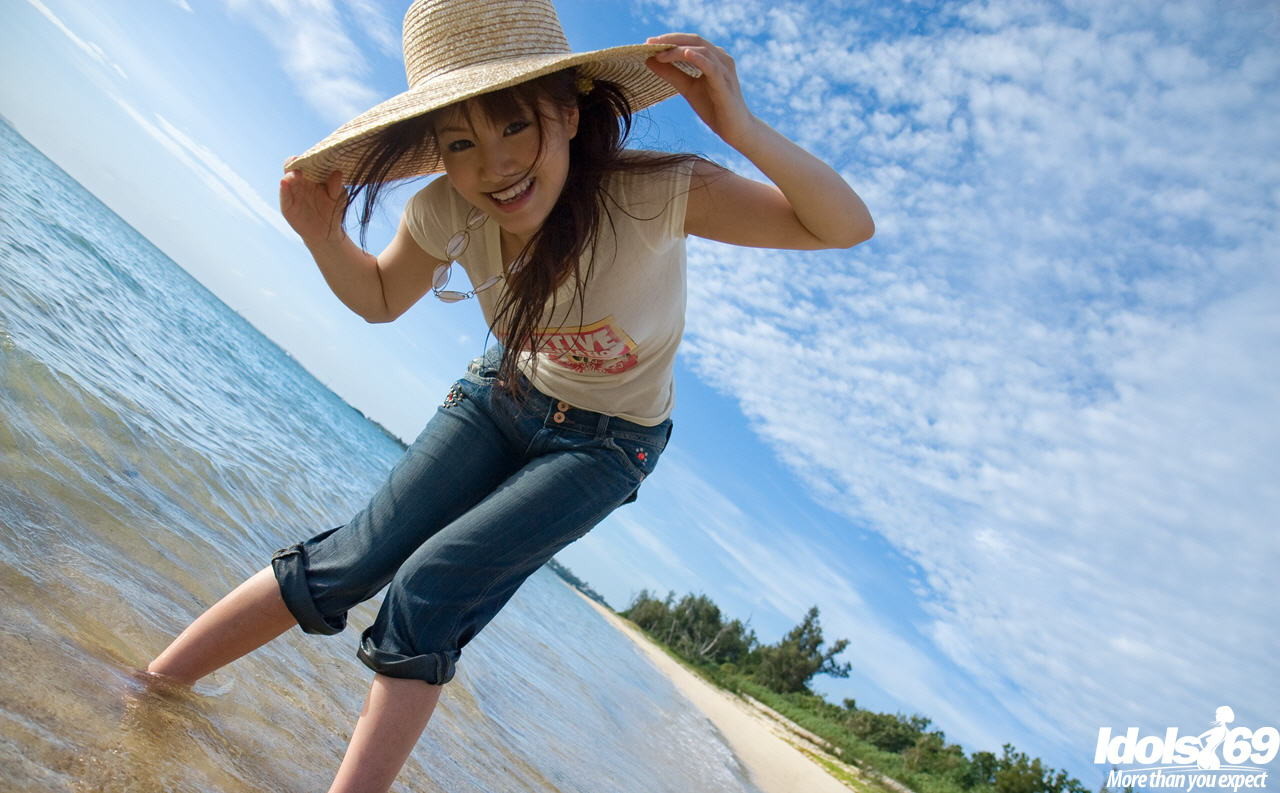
[(563, 406), (558, 417)]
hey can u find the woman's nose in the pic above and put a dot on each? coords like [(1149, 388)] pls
[(499, 163)]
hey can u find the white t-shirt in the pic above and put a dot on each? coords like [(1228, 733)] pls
[(616, 355)]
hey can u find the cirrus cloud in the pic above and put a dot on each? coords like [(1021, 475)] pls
[(1050, 380)]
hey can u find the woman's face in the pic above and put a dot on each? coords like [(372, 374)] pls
[(501, 166)]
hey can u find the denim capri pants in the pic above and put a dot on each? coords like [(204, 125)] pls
[(484, 497)]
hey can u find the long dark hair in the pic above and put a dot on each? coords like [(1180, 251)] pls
[(571, 230)]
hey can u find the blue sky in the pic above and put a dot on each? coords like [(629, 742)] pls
[(1022, 448)]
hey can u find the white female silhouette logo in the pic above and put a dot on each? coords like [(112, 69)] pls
[(1213, 737)]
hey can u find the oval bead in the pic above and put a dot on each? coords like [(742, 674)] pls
[(441, 276), (457, 244)]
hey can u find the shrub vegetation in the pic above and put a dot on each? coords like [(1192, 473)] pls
[(900, 747)]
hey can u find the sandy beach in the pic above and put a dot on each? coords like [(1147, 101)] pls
[(771, 748)]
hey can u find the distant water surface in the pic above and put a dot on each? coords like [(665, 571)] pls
[(154, 450)]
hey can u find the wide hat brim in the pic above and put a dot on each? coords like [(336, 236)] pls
[(344, 148)]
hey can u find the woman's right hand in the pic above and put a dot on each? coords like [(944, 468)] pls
[(314, 209)]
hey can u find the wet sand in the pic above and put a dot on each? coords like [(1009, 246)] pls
[(765, 742)]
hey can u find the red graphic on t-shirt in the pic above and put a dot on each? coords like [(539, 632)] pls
[(599, 348)]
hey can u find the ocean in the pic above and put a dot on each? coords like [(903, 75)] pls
[(155, 449)]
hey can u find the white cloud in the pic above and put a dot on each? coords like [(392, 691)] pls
[(317, 52), (232, 190), (373, 21), (1049, 381), (89, 48)]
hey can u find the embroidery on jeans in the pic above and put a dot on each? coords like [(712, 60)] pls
[(454, 396)]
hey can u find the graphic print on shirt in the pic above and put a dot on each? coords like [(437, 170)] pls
[(599, 348)]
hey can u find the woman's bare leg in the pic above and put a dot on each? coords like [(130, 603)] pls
[(393, 717), (253, 614)]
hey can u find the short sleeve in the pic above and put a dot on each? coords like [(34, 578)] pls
[(677, 195), (657, 200), (428, 217)]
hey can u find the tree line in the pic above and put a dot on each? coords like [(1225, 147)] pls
[(900, 746), (695, 629)]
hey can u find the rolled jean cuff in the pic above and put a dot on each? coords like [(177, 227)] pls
[(289, 565), (435, 668)]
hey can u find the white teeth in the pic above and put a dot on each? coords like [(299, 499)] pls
[(513, 191)]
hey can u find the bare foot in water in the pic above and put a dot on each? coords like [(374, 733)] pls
[(157, 683)]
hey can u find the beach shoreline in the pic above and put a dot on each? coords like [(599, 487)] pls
[(770, 748)]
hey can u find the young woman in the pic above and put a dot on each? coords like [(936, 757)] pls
[(574, 248)]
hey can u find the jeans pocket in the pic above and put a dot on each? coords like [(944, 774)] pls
[(639, 456)]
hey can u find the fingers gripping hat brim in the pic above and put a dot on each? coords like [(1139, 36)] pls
[(343, 149)]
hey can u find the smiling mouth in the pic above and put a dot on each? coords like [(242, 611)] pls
[(514, 193)]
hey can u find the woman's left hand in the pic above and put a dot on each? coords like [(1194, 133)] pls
[(716, 96)]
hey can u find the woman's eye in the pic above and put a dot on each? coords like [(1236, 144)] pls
[(458, 145), (515, 126)]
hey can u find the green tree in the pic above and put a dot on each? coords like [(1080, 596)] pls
[(789, 665), (694, 628), (695, 624), (891, 732), (648, 612), (731, 644), (1018, 773), (981, 771), (933, 755)]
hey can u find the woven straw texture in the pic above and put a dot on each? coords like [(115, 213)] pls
[(458, 49)]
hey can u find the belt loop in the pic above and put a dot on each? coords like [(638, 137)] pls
[(602, 425)]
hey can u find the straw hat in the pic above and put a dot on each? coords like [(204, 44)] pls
[(457, 49)]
